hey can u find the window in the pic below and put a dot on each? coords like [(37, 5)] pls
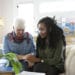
[(59, 9), (58, 6), (25, 11)]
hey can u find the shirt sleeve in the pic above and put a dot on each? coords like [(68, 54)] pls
[(5, 45), (57, 55), (33, 51)]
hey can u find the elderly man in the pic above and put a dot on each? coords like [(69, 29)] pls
[(20, 43)]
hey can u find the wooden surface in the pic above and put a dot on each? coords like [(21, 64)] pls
[(7, 73)]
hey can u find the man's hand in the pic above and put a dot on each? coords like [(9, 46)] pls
[(20, 57), (29, 58), (32, 58), (24, 57)]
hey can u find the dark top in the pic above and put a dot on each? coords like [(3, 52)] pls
[(52, 56)]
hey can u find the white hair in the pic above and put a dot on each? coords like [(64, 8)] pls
[(19, 24)]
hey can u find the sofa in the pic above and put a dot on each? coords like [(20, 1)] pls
[(70, 60)]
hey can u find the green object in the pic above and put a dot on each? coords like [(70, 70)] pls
[(52, 56), (1, 55), (11, 57)]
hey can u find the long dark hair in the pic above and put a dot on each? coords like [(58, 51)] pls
[(54, 34)]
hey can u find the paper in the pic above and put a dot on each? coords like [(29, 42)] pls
[(30, 73)]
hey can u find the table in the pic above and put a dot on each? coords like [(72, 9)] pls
[(6, 73)]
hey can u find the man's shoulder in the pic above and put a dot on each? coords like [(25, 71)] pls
[(8, 35), (28, 35)]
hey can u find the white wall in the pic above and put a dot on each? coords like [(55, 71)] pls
[(64, 14), (8, 10), (0, 7), (70, 14), (8, 13)]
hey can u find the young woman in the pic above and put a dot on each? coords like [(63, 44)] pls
[(50, 47)]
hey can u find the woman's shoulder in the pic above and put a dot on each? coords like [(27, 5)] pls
[(60, 44)]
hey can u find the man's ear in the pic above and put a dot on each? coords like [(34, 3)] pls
[(13, 28)]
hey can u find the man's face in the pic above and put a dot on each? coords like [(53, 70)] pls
[(19, 32)]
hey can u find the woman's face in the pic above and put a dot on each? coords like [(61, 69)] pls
[(42, 30)]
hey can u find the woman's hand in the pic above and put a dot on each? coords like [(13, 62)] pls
[(30, 64)]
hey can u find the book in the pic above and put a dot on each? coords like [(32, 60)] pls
[(30, 73)]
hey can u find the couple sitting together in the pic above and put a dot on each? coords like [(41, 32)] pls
[(48, 56)]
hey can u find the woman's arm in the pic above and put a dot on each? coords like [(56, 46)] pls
[(57, 55), (33, 59)]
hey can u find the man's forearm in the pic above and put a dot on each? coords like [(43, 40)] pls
[(30, 58), (34, 59), (20, 57)]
